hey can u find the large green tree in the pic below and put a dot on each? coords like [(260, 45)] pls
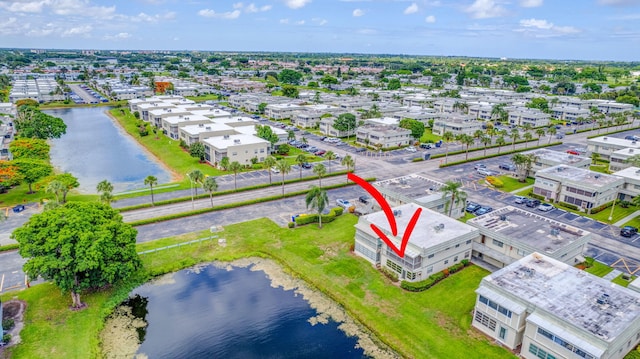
[(29, 148), (452, 195), (288, 76), (197, 150), (32, 123), (78, 246), (345, 122), (266, 132), (416, 127), (33, 171)]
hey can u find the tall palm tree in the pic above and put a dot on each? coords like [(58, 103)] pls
[(551, 130), (477, 136), (330, 156), (498, 112), (540, 132), (268, 163), (56, 188), (527, 137), (284, 167), (196, 176), (466, 140), (595, 156), (300, 160), (523, 164), (447, 137), (453, 195), (350, 163), (210, 185), (320, 171), (486, 140), (317, 199), (151, 181), (235, 167), (106, 189), (500, 142), (515, 135)]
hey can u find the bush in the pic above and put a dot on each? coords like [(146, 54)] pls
[(393, 276), (338, 210), (8, 324), (568, 205), (495, 181), (417, 159), (536, 196), (291, 224), (313, 218), (456, 267), (6, 338), (465, 262), (601, 208), (417, 286)]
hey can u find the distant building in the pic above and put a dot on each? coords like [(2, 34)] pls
[(545, 158), (548, 309), (605, 145)]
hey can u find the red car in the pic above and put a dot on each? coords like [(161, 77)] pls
[(320, 153), (573, 152)]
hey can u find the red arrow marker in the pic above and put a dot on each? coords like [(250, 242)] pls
[(386, 208)]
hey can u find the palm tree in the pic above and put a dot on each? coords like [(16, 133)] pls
[(466, 140), (515, 135), (56, 188), (284, 167), (106, 189), (452, 191), (477, 136), (196, 176), (210, 185), (540, 132), (268, 163), (447, 137), (595, 156), (498, 112), (500, 142), (317, 199), (527, 137), (523, 164), (151, 181), (235, 167), (330, 156), (291, 135), (350, 163), (486, 140), (300, 160), (320, 171), (551, 130)]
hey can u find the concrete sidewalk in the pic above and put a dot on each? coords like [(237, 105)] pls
[(627, 219)]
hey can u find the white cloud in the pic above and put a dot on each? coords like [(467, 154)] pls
[(118, 36), (142, 17), (284, 21), (80, 7), (78, 31), (299, 22), (296, 4), (358, 12), (252, 8), (430, 19), (411, 9), (229, 15), (367, 31), (485, 9), (17, 6), (319, 21), (544, 28), (238, 5), (12, 26), (531, 3)]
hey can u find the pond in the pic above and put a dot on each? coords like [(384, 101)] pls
[(233, 311), (95, 149)]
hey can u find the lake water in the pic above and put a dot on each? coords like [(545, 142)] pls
[(232, 312), (95, 149)]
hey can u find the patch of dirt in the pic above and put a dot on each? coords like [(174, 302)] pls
[(13, 309)]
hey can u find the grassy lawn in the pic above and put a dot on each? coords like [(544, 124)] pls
[(203, 98), (467, 216), (428, 136), (618, 214), (18, 194), (634, 222), (512, 184), (600, 168), (417, 325), (623, 282), (599, 269)]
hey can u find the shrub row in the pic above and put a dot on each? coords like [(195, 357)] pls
[(493, 154), (601, 208), (568, 205), (495, 181), (303, 219), (393, 276), (613, 132), (475, 149), (9, 247), (536, 196), (222, 193), (434, 278), (233, 205)]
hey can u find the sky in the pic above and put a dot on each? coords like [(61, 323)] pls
[(537, 29)]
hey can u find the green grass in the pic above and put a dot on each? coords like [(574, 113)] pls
[(203, 98), (623, 282), (417, 325), (467, 216), (512, 184), (428, 136), (599, 269), (618, 213), (600, 168), (635, 222)]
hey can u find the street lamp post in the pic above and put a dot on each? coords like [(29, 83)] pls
[(612, 207), (191, 186)]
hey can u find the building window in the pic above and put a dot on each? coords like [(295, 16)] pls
[(539, 352), (365, 251), (446, 261), (458, 245), (503, 333), (466, 254), (455, 259), (430, 255), (521, 252), (485, 320), (394, 266), (565, 344), (497, 243), (469, 242), (430, 269)]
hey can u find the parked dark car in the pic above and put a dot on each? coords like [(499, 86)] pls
[(532, 202), (361, 149), (363, 199), (628, 231), (507, 167), (19, 208), (472, 207), (482, 210), (307, 165)]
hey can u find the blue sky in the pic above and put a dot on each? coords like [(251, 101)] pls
[(548, 29)]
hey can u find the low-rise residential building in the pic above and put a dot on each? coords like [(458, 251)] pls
[(509, 233), (631, 187), (605, 145), (280, 111), (239, 147), (383, 136), (456, 124), (569, 113), (437, 242), (581, 187), (528, 116), (326, 127), (170, 125), (548, 309), (618, 160), (196, 133), (545, 158)]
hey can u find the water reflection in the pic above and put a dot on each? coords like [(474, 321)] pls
[(94, 149), (212, 312)]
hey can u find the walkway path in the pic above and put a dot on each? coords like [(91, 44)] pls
[(627, 219)]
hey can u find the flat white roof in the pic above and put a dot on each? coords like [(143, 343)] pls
[(185, 118), (197, 129), (222, 142), (614, 141)]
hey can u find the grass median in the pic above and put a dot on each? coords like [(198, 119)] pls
[(430, 324)]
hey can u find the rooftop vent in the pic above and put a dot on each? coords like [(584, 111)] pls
[(208, 128), (226, 137), (596, 176), (631, 150), (503, 217), (397, 212), (439, 227), (555, 231), (604, 139), (236, 140), (603, 299)]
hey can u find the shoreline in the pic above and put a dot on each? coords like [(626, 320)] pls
[(174, 176)]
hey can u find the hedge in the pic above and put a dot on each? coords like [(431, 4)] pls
[(434, 278), (613, 132), (393, 276), (438, 155), (602, 207), (234, 205), (536, 196), (222, 193), (9, 247), (495, 181), (493, 154), (303, 219), (568, 205)]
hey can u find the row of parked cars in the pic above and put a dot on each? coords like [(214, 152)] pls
[(477, 209)]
